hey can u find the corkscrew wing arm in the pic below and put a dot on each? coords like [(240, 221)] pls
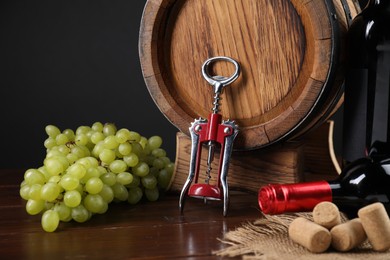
[(229, 140), (194, 159)]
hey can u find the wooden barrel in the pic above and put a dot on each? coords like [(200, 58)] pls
[(290, 52)]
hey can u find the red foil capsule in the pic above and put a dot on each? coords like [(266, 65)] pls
[(280, 198)]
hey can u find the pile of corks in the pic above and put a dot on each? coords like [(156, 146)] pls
[(326, 229)]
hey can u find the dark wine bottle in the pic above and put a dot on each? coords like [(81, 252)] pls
[(361, 183), (379, 150), (367, 83)]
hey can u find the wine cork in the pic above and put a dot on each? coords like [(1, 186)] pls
[(376, 224), (326, 214), (312, 236), (348, 235)]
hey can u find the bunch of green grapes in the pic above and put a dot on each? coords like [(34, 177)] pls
[(84, 171)]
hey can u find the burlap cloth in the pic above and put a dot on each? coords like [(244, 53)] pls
[(267, 238)]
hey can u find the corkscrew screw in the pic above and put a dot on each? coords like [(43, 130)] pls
[(213, 132)]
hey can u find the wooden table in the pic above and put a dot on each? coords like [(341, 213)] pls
[(150, 230)]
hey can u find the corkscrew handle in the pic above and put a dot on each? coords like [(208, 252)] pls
[(219, 82)]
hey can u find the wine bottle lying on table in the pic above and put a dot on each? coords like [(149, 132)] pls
[(362, 182)]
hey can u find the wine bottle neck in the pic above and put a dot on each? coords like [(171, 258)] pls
[(278, 198)]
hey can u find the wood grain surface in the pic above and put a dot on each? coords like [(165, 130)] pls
[(154, 230), (290, 52)]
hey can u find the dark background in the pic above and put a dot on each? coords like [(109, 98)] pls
[(71, 63)]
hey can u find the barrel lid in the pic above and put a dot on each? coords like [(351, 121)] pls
[(289, 52)]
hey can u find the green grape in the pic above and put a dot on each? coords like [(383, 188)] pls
[(120, 192), (135, 183), (170, 167), (152, 194), (118, 166), (72, 158), (33, 176), (143, 141), (82, 129), (48, 205), (62, 159), (69, 182), (23, 183), (153, 171), (78, 151), (80, 188), (94, 185), (96, 137), (72, 198), (52, 153), (61, 139), (50, 191), (50, 220), (94, 203), (149, 181), (158, 163), (125, 148), (24, 192), (35, 191), (137, 149), (134, 136), (149, 159), (109, 129), (141, 169), (88, 162), (45, 173), (135, 195), (34, 207), (53, 165), (52, 131), (122, 135), (80, 214), (159, 152), (155, 142), (91, 173), (131, 160), (103, 209), (81, 139), (118, 155), (55, 179), (77, 170), (99, 147), (64, 212), (107, 193), (108, 178), (164, 178), (69, 133), (69, 218), (107, 156), (146, 150), (102, 170), (64, 149), (86, 150), (110, 142), (50, 143), (166, 160), (124, 178), (97, 126)]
